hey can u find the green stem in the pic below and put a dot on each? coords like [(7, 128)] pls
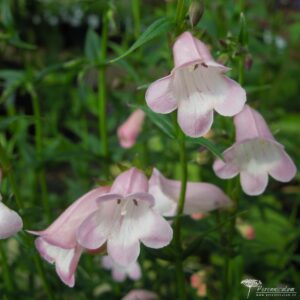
[(38, 148), (180, 13), (177, 224), (102, 95), (136, 17), (8, 280)]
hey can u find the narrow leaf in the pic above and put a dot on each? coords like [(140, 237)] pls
[(157, 28)]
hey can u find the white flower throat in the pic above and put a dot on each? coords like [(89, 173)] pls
[(126, 205)]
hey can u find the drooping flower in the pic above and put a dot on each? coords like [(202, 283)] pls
[(120, 273), (200, 197), (10, 221), (131, 128), (255, 155), (124, 218), (140, 295), (58, 245), (196, 87)]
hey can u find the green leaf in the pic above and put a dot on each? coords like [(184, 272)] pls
[(161, 121), (17, 42), (92, 45), (157, 28), (207, 144)]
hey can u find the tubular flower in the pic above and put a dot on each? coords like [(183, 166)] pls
[(255, 155), (57, 244), (124, 218), (140, 295), (119, 273), (196, 87), (131, 128), (10, 221), (200, 197)]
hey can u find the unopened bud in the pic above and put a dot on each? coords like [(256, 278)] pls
[(196, 11)]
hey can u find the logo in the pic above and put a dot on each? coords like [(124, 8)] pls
[(282, 291), (250, 283)]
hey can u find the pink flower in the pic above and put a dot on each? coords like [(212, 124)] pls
[(131, 128), (198, 281), (124, 218), (10, 221), (57, 244), (255, 155), (140, 295), (196, 87), (200, 197), (120, 273)]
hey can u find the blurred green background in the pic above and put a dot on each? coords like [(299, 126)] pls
[(50, 59)]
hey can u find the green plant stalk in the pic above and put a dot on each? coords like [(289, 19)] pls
[(177, 224), (234, 193), (180, 13), (39, 147), (102, 95), (7, 277), (136, 17)]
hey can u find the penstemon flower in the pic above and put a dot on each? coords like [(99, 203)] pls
[(200, 197), (120, 273), (131, 128), (124, 218), (255, 155), (196, 87), (57, 244), (140, 295), (10, 221)]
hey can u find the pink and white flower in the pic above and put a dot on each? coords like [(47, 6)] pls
[(124, 218), (140, 295), (10, 221), (119, 273), (131, 128), (255, 155), (58, 245), (200, 196), (196, 87)]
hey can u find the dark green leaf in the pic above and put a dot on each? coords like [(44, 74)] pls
[(207, 144), (92, 45)]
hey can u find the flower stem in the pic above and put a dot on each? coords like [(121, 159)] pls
[(136, 17), (7, 277), (180, 13), (38, 148), (177, 224), (102, 95)]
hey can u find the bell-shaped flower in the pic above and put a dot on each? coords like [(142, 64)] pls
[(196, 87), (200, 197), (131, 128), (255, 155), (119, 273), (124, 218), (10, 221), (140, 295), (58, 245)]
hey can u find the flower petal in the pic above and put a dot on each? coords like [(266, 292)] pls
[(94, 230), (250, 124), (134, 272), (226, 169), (62, 231), (10, 222), (285, 170), (159, 96), (129, 182), (192, 120), (233, 100), (65, 260), (254, 184), (140, 295), (157, 231)]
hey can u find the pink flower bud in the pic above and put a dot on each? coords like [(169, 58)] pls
[(131, 128)]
